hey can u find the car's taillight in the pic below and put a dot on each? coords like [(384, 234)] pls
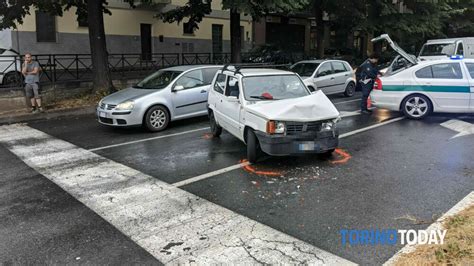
[(378, 84), (271, 127)]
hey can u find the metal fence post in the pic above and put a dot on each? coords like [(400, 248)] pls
[(53, 76), (77, 67)]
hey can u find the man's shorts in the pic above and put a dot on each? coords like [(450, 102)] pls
[(32, 90)]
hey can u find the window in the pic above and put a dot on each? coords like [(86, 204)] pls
[(82, 21), (191, 79), (45, 27), (470, 67), (220, 83), (338, 67), (188, 28), (460, 50), (232, 88), (324, 70), (424, 73), (208, 75), (277, 87), (305, 69), (447, 71)]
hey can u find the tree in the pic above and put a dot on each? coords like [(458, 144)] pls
[(12, 13), (197, 9)]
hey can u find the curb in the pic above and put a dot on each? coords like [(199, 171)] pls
[(13, 119)]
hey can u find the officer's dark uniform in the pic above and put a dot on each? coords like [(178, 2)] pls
[(367, 77)]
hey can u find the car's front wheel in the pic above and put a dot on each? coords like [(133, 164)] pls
[(216, 130), (157, 118), (350, 89), (253, 146), (416, 106), (12, 79)]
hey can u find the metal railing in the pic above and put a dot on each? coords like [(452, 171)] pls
[(62, 68)]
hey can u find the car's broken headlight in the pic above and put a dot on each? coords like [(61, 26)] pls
[(128, 105), (328, 126)]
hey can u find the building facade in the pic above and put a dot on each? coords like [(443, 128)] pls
[(128, 31)]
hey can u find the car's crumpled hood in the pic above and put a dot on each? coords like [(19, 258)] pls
[(313, 107), (127, 95)]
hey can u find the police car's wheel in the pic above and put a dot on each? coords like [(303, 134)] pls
[(157, 118), (350, 89), (253, 147), (416, 106), (216, 130)]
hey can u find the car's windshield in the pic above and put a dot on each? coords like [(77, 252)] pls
[(277, 87), (304, 69), (158, 80), (438, 49)]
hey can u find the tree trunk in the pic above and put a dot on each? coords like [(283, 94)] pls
[(319, 13), (101, 74), (235, 37)]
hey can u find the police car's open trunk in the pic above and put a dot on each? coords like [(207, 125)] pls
[(403, 61)]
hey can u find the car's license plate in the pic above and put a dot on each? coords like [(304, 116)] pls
[(103, 114), (307, 146)]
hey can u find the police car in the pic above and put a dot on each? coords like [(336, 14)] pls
[(422, 87)]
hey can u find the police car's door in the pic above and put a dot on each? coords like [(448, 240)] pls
[(446, 85), (470, 68), (325, 78)]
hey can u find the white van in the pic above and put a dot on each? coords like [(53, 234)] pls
[(443, 48)]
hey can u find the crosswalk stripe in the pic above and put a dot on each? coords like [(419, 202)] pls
[(173, 225)]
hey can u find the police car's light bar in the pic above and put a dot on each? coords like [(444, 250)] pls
[(457, 57)]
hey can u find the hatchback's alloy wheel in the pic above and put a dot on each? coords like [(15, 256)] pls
[(350, 90), (157, 118), (417, 107)]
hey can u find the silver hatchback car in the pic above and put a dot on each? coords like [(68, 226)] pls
[(169, 94), (330, 76)]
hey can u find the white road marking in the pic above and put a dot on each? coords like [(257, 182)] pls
[(210, 174), (438, 225), (464, 128), (350, 101), (148, 139), (175, 226), (345, 135)]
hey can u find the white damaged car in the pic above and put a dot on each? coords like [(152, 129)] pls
[(272, 111)]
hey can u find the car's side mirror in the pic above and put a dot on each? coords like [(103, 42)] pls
[(178, 88)]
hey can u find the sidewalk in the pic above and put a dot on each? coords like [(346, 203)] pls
[(16, 116)]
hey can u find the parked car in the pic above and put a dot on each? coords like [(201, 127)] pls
[(444, 48), (10, 68), (422, 87), (272, 111), (330, 76), (169, 94)]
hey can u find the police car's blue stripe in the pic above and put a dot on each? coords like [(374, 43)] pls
[(462, 89)]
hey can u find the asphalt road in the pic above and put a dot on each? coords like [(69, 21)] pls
[(390, 173)]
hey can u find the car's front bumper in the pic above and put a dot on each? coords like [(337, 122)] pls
[(300, 143), (118, 118)]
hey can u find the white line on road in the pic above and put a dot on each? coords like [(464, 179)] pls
[(173, 225), (237, 166), (350, 101), (345, 135), (438, 225), (207, 175), (148, 139)]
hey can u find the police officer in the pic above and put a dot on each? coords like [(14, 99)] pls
[(368, 74)]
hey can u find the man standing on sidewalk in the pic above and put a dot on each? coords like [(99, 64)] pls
[(31, 71), (368, 75)]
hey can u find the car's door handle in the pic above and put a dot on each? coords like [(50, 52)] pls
[(332, 78), (203, 91)]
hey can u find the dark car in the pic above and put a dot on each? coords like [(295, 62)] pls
[(270, 54)]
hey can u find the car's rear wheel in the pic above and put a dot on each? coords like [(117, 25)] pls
[(157, 118), (416, 106), (216, 130), (350, 89), (12, 79), (253, 146)]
